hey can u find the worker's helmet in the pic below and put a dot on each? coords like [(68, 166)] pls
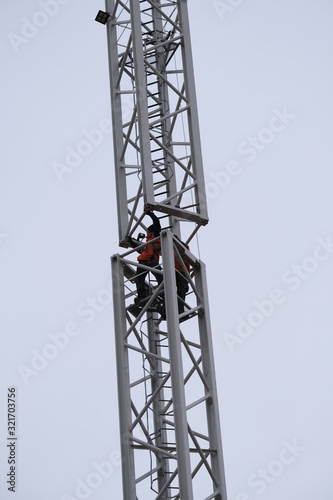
[(151, 228)]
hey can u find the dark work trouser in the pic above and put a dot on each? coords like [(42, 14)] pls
[(141, 274), (182, 289)]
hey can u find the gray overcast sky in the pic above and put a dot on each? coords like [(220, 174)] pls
[(264, 83)]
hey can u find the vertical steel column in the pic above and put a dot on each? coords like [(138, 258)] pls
[(213, 419), (176, 368), (193, 116), (124, 393), (117, 123)]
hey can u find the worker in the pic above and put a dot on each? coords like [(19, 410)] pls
[(149, 256), (181, 281)]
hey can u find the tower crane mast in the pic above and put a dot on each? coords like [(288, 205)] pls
[(167, 396)]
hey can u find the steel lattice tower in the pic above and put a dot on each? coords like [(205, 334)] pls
[(168, 410)]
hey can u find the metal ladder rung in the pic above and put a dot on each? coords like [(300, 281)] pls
[(151, 83)]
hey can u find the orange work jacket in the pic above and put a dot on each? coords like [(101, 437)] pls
[(151, 251)]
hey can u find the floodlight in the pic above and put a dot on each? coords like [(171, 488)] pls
[(102, 17)]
